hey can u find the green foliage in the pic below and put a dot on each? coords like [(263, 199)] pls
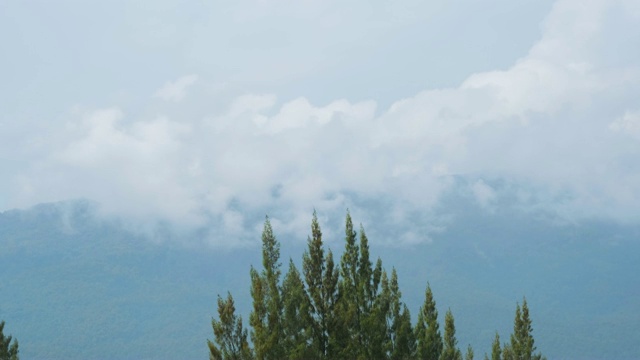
[(401, 336), (352, 310), (8, 351), (450, 351), (267, 334), (496, 351), (296, 321), (321, 277), (351, 297), (258, 317), (230, 337), (469, 354), (429, 340), (522, 345), (361, 312)]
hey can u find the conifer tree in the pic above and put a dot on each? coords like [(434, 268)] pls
[(230, 337), (450, 350), (321, 278), (376, 326), (429, 340), (522, 343), (267, 315), (374, 306), (258, 316), (368, 278), (404, 340), (296, 316), (8, 351), (507, 352), (401, 338), (350, 343), (496, 351), (469, 354), (330, 298)]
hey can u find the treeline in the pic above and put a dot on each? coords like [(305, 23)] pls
[(8, 350), (350, 310)]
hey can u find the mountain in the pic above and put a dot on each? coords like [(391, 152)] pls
[(77, 286)]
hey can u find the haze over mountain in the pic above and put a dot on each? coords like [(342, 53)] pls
[(489, 147), (76, 286)]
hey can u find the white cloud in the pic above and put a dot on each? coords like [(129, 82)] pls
[(484, 194), (541, 123), (629, 123), (177, 90)]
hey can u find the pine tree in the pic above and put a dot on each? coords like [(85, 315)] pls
[(266, 316), (8, 351), (377, 323), (296, 316), (404, 343), (429, 340), (321, 278), (350, 343), (258, 316), (522, 343), (450, 350), (330, 298), (230, 337), (496, 351), (402, 340), (469, 354), (368, 278)]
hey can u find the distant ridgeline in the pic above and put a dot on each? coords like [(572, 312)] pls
[(350, 310)]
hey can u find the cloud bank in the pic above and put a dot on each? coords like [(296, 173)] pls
[(559, 128), (177, 90)]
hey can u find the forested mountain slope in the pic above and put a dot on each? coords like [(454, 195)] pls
[(77, 286)]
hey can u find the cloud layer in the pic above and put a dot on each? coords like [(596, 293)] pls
[(559, 128)]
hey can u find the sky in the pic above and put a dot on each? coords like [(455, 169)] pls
[(219, 112)]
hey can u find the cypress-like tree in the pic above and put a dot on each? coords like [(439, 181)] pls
[(429, 340), (321, 278), (377, 323), (258, 316), (469, 354), (8, 351), (267, 315), (296, 317), (450, 350), (368, 278), (404, 340), (522, 343), (349, 344), (401, 337), (496, 351), (330, 298), (230, 337)]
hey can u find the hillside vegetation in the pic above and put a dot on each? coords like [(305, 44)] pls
[(350, 310)]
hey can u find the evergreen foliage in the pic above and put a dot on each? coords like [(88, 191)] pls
[(522, 345), (267, 335), (230, 337), (8, 350), (350, 310), (496, 351), (469, 354), (296, 318), (450, 350), (428, 330), (401, 337)]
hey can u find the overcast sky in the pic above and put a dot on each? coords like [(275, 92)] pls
[(203, 111)]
